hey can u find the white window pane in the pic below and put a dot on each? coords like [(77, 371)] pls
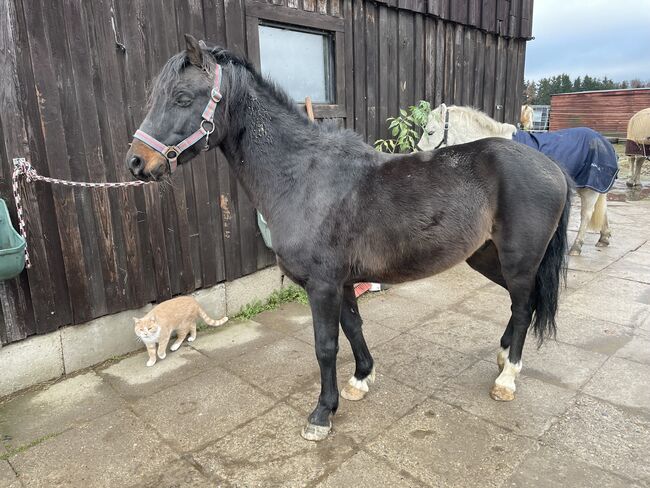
[(298, 61)]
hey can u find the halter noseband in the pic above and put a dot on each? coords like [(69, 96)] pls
[(171, 153), (446, 130)]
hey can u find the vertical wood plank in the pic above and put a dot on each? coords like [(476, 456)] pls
[(371, 40), (405, 59), (359, 18)]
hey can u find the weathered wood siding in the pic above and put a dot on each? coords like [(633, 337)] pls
[(71, 99), (607, 111)]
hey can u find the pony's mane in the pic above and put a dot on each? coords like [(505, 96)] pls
[(173, 68), (481, 119)]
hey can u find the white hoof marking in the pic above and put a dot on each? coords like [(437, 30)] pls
[(162, 356), (502, 356), (507, 377), (191, 339), (175, 347), (356, 389), (151, 362)]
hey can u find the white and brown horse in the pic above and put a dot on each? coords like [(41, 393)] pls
[(450, 125)]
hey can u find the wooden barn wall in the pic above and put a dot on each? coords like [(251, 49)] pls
[(608, 112), (71, 99)]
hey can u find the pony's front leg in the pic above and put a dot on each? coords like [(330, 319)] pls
[(587, 203), (325, 302), (364, 372)]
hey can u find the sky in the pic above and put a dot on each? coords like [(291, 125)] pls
[(595, 37)]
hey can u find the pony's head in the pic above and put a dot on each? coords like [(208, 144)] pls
[(466, 124), (181, 120), (526, 119), (434, 130)]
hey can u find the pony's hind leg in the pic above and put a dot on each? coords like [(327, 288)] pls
[(325, 301), (588, 200), (520, 285), (635, 170), (605, 232), (364, 372)]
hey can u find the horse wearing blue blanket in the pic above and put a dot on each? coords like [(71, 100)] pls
[(583, 153)]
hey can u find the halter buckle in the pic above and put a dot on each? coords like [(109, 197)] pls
[(171, 153), (215, 95), (207, 131)]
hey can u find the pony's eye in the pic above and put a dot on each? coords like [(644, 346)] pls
[(183, 100), (431, 132)]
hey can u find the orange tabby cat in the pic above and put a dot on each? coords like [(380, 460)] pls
[(178, 314)]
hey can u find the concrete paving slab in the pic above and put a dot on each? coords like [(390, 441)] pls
[(56, 408), (234, 340), (420, 364), (530, 414), (491, 304), (444, 289), (201, 409), (387, 401), (613, 300), (288, 318), (590, 333), (637, 349), (575, 279), (604, 435), (461, 332), (270, 452), (278, 368), (550, 468), (560, 364), (8, 478), (393, 311), (622, 382), (633, 266), (365, 471), (180, 474), (113, 450), (432, 444), (133, 379)]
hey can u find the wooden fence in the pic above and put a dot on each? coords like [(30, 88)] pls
[(71, 97)]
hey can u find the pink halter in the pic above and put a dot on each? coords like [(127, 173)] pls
[(171, 153)]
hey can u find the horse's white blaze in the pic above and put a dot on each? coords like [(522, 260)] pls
[(507, 377)]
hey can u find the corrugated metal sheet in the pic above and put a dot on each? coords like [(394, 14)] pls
[(606, 111)]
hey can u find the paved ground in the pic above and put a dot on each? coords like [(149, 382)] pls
[(228, 410)]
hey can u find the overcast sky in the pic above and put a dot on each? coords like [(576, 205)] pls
[(595, 37)]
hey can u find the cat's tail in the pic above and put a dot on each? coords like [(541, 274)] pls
[(210, 321)]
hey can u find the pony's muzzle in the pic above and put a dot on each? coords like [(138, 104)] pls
[(145, 163)]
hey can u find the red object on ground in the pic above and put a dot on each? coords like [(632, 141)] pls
[(361, 288)]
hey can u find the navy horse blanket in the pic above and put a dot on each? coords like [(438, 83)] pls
[(584, 154)]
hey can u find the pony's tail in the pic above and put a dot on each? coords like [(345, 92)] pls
[(600, 211), (551, 275)]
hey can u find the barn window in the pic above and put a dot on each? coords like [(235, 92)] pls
[(302, 51), (300, 60)]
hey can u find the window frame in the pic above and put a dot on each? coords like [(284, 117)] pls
[(263, 13)]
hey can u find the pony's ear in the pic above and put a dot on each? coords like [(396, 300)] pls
[(193, 49), (443, 107), (136, 319)]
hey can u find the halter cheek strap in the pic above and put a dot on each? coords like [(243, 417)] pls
[(445, 132), (206, 128)]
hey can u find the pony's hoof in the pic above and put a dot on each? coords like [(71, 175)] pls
[(175, 347), (602, 244), (162, 356), (315, 433), (574, 252), (356, 389), (502, 394), (191, 339), (151, 362)]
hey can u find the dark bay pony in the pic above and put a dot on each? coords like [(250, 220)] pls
[(340, 212)]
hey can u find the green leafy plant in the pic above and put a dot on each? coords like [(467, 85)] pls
[(288, 294), (406, 129)]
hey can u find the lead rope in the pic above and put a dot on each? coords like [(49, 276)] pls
[(23, 168)]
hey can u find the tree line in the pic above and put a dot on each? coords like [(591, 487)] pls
[(539, 92)]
